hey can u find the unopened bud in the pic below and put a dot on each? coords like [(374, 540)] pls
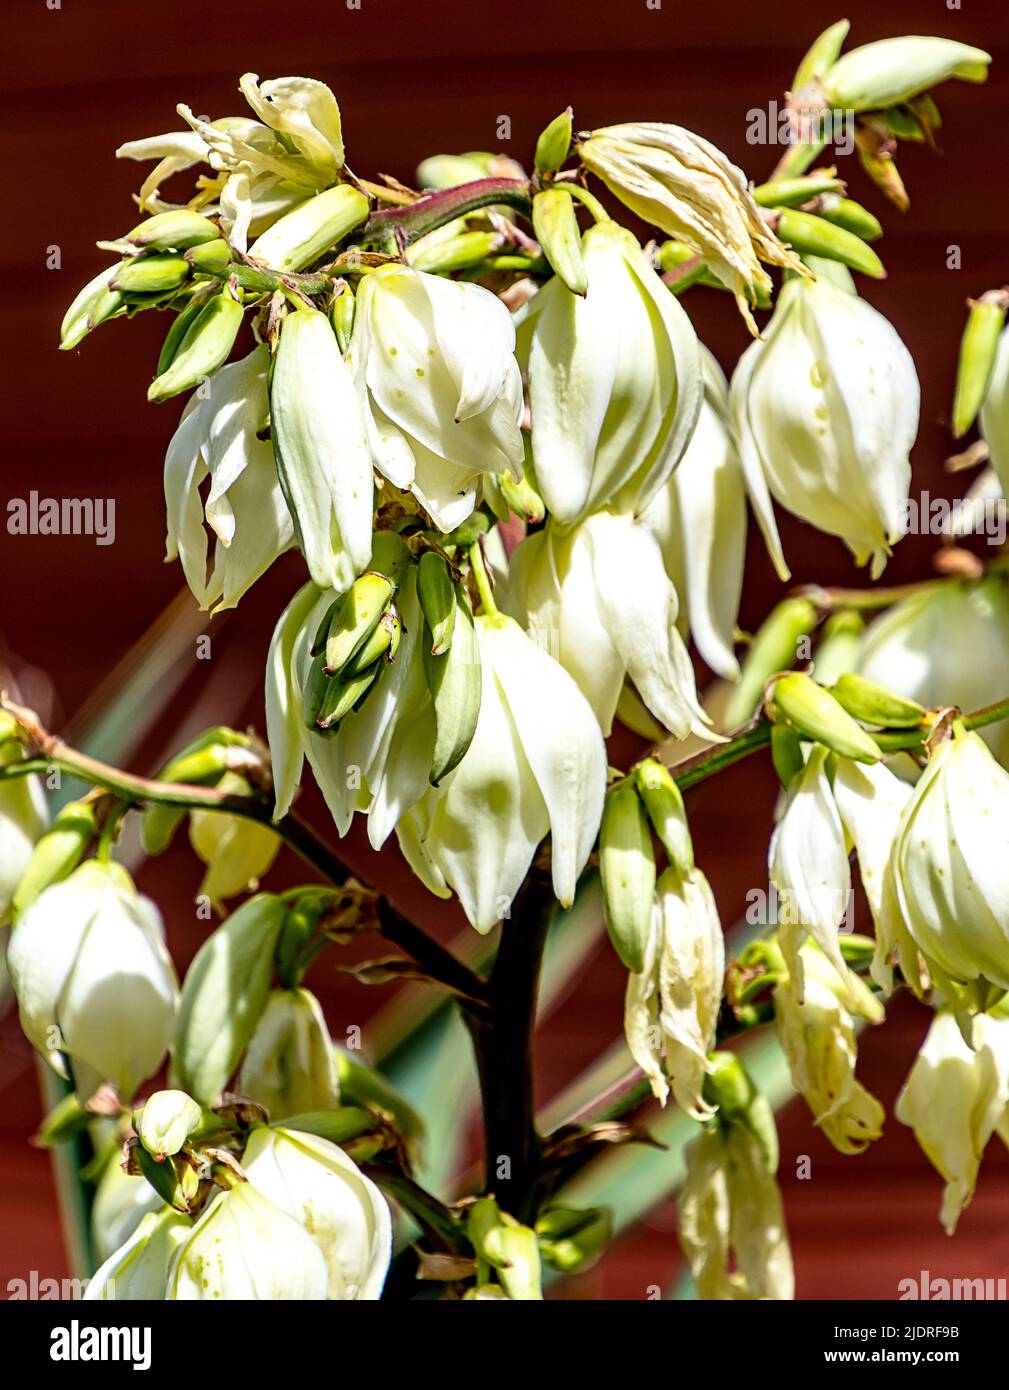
[(553, 144), (437, 600), (815, 713), (852, 216), (664, 804), (815, 236), (556, 226), (152, 271), (874, 704), (574, 1240), (627, 868), (978, 349), (176, 230), (889, 72), (773, 649), (165, 1123), (303, 234), (95, 304), (204, 348), (57, 853)]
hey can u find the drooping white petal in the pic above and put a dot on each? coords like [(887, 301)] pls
[(639, 607), (560, 739), (315, 1182), (808, 865), (953, 1099), (245, 1247)]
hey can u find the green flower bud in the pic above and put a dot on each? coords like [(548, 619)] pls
[(356, 619), (205, 347), (212, 258), (443, 255), (176, 230), (95, 304), (555, 223), (302, 235), (773, 649), (815, 236), (874, 704), (175, 336), (978, 351), (664, 804), (892, 71), (554, 144), (455, 680), (786, 752), (508, 1247), (574, 1240), (223, 997), (437, 600), (155, 270), (341, 316), (450, 170), (852, 216), (821, 55), (166, 1121), (627, 869), (789, 193), (816, 714)]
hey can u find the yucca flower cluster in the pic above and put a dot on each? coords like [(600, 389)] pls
[(517, 486)]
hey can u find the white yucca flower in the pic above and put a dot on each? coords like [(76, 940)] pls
[(817, 1036), (950, 871), (434, 362), (218, 438), (598, 598), (264, 167), (93, 979), (672, 1005), (955, 1098), (731, 1221), (926, 648), (826, 411), (614, 381), (682, 183), (537, 764), (699, 518)]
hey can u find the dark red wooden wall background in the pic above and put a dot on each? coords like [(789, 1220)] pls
[(413, 79)]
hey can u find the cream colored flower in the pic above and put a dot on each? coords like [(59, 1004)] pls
[(954, 1099), (218, 438), (671, 1009), (699, 519), (598, 598), (817, 1036), (614, 382), (826, 411), (435, 368), (685, 185), (537, 764)]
